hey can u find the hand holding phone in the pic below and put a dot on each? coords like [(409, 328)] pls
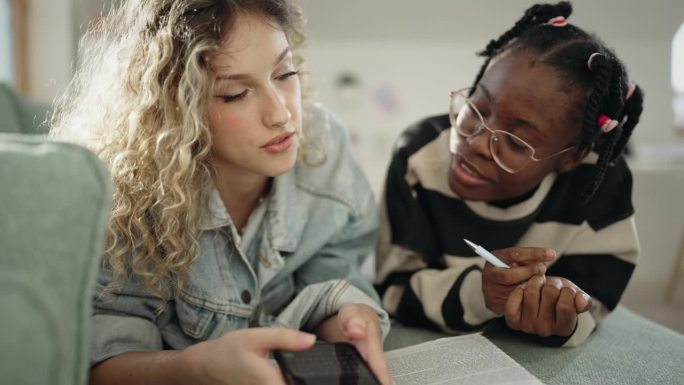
[(325, 363)]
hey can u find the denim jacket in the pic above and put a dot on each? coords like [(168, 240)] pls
[(315, 229)]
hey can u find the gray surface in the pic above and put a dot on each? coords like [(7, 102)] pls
[(625, 349)]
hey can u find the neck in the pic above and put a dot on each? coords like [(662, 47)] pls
[(506, 203), (241, 193)]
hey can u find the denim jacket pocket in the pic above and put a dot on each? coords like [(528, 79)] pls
[(194, 318), (203, 319)]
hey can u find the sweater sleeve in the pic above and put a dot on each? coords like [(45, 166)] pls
[(598, 250), (601, 263)]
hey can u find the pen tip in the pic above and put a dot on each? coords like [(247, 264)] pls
[(471, 244)]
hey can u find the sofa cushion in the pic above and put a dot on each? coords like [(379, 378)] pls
[(19, 115), (54, 203)]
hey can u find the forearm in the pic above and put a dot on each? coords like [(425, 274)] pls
[(167, 367)]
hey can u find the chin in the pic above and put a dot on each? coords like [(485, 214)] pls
[(282, 167), (459, 191)]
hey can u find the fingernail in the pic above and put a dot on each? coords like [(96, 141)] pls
[(541, 268), (307, 338), (586, 297), (550, 254)]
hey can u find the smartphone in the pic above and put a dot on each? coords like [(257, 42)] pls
[(326, 363)]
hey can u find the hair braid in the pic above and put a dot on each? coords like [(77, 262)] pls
[(631, 114), (601, 70), (612, 106), (616, 100)]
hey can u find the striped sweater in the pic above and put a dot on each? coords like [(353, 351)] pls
[(427, 276)]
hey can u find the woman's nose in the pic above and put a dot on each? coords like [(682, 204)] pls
[(276, 113), (479, 143)]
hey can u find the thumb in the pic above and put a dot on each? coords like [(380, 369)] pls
[(279, 338)]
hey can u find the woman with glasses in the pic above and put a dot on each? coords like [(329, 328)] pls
[(527, 162)]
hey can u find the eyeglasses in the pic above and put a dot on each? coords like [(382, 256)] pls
[(509, 151)]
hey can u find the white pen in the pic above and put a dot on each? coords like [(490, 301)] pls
[(482, 252)]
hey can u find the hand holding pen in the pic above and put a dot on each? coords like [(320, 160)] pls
[(514, 284), (516, 266)]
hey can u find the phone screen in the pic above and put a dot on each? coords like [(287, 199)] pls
[(325, 364)]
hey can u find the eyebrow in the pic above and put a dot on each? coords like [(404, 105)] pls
[(518, 121), (245, 76), (488, 95)]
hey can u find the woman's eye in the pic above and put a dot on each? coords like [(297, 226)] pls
[(516, 144), (232, 98), (287, 75)]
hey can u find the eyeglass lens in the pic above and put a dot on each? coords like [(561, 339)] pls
[(510, 152)]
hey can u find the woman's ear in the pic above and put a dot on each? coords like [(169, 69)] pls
[(571, 160)]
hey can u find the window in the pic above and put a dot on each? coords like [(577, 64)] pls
[(678, 79), (13, 43), (6, 54)]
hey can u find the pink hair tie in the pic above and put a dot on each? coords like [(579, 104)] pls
[(558, 21), (630, 90), (607, 124)]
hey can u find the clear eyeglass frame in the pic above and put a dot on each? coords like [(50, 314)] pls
[(495, 139)]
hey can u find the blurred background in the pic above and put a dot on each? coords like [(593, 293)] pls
[(381, 65)]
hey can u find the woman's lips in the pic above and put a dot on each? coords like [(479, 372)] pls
[(467, 174), (280, 143)]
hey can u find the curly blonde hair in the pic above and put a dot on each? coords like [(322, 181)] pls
[(138, 100)]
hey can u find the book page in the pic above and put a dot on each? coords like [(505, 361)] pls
[(468, 359)]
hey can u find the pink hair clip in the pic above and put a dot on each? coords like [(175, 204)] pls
[(558, 21), (607, 124)]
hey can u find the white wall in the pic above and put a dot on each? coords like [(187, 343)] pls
[(419, 52), (51, 49)]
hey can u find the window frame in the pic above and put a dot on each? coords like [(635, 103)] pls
[(18, 14), (677, 79)]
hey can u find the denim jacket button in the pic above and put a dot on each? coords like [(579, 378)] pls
[(246, 297)]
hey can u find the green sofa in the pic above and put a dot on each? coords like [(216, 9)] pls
[(19, 115), (54, 203)]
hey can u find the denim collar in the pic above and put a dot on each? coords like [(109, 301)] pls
[(285, 217)]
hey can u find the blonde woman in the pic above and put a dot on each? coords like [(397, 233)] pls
[(236, 206)]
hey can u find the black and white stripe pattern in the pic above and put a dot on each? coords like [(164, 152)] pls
[(428, 276)]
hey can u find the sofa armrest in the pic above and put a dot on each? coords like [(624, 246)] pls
[(54, 204)]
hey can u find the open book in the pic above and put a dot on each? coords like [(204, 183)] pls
[(468, 359)]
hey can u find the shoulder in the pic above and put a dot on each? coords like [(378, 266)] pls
[(611, 203), (419, 134), (339, 176), (421, 154)]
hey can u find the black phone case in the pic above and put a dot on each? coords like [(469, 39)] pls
[(325, 364)]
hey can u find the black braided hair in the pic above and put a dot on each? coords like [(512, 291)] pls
[(568, 50)]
